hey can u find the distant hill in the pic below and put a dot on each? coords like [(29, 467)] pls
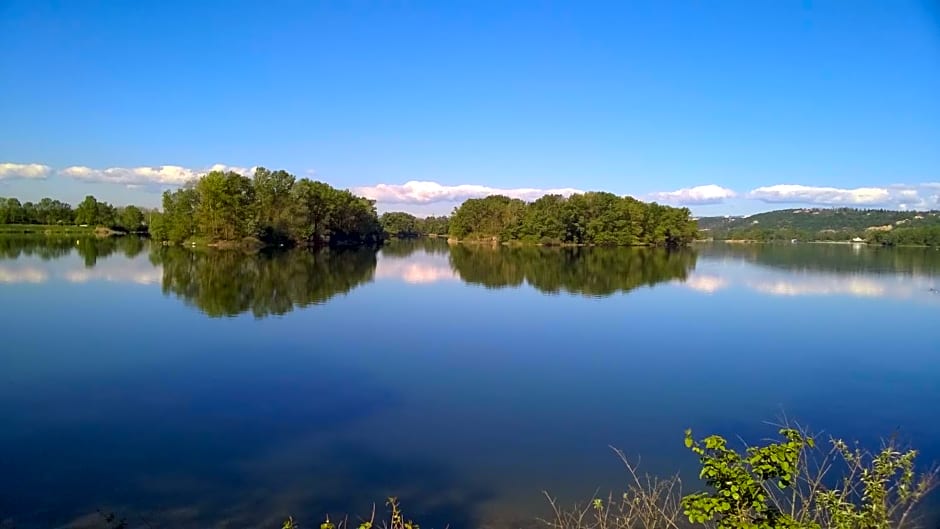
[(814, 223)]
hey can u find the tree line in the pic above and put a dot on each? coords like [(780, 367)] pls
[(405, 225), (913, 236), (271, 206), (90, 212), (274, 207), (593, 218), (926, 235)]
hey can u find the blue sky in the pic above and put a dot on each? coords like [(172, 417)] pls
[(725, 106)]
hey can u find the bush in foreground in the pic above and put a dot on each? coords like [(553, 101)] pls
[(789, 483)]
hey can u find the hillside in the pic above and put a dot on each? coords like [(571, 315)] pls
[(815, 224)]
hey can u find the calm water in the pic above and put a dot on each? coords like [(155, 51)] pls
[(221, 389)]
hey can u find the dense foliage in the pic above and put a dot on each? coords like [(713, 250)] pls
[(89, 212), (919, 236), (405, 225), (787, 484), (793, 482), (821, 224), (272, 206), (590, 218)]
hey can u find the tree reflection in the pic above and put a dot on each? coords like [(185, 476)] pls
[(89, 248), (406, 247), (228, 283), (589, 271), (840, 258)]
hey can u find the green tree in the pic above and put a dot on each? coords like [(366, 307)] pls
[(225, 209), (272, 192), (177, 223), (312, 206), (594, 218), (131, 218), (87, 212), (433, 225), (354, 220), (400, 224)]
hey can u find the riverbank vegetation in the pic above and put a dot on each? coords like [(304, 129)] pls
[(54, 216), (874, 226), (796, 481), (593, 218), (272, 207), (405, 225), (913, 236)]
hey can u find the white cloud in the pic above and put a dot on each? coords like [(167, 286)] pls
[(162, 174), (707, 194), (895, 196), (417, 192), (793, 193), (28, 171)]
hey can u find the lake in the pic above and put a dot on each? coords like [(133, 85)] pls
[(218, 389)]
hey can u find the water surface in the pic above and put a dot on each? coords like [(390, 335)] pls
[(202, 389)]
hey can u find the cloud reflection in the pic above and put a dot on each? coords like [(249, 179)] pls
[(790, 284), (116, 275), (110, 272), (415, 272), (706, 283), (849, 286), (14, 275)]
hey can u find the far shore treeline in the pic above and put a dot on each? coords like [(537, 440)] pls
[(274, 207), (588, 218), (90, 212)]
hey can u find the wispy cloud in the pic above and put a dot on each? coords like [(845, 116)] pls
[(418, 192), (698, 195), (26, 171), (135, 176)]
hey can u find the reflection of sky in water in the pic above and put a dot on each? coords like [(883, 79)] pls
[(713, 276), (465, 401), (416, 269), (22, 274), (114, 269)]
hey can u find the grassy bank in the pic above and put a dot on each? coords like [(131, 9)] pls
[(49, 229)]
